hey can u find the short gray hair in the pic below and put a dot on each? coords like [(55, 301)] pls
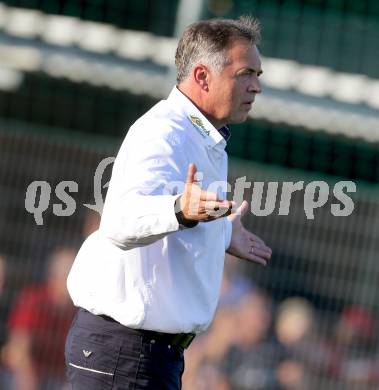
[(206, 41)]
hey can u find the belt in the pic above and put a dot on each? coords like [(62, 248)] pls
[(182, 340)]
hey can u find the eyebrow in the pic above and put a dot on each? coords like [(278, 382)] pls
[(259, 72)]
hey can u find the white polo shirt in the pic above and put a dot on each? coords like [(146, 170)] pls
[(141, 268)]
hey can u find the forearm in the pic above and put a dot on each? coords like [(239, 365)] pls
[(145, 219)]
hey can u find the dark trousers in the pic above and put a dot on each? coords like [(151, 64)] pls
[(102, 354)]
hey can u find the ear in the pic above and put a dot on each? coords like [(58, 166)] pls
[(201, 76)]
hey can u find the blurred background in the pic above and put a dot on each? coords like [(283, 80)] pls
[(75, 74)]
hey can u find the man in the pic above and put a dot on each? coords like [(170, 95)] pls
[(38, 324), (148, 280)]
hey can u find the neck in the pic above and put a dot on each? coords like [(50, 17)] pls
[(198, 98)]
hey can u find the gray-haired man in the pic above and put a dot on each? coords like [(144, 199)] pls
[(148, 280)]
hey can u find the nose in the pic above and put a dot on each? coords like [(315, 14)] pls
[(255, 85)]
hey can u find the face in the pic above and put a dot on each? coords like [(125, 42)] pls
[(232, 91)]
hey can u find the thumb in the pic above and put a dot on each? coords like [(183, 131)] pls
[(191, 173), (243, 208)]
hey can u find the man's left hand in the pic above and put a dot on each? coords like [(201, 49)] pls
[(245, 244)]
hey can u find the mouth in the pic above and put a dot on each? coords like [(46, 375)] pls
[(248, 104)]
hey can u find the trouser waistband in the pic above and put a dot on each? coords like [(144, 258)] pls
[(182, 340)]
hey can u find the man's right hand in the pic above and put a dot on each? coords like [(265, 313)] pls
[(198, 205)]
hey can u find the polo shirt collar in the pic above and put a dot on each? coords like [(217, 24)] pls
[(209, 134), (225, 132)]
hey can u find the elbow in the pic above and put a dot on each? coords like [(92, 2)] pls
[(126, 241), (123, 242)]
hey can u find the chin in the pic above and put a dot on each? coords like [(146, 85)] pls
[(239, 118)]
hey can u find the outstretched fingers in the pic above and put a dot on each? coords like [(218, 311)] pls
[(218, 208), (259, 252), (200, 205), (191, 172), (264, 253), (257, 259)]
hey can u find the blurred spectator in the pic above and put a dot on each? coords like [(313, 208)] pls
[(3, 270), (91, 223), (4, 373), (311, 358), (355, 330), (293, 328), (209, 377), (356, 347), (235, 285), (251, 361), (294, 322), (207, 352), (38, 325), (243, 349)]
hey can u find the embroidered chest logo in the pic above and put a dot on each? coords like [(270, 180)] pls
[(198, 125)]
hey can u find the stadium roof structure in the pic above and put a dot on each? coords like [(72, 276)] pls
[(313, 97)]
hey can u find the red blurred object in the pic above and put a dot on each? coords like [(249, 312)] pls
[(359, 319)]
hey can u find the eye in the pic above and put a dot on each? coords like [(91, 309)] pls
[(246, 73)]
